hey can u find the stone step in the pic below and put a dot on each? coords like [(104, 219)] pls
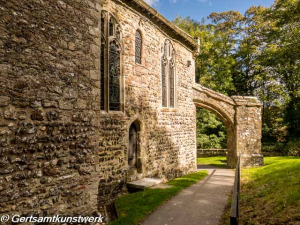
[(142, 184), (134, 177)]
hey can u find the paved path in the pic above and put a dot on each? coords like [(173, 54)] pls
[(201, 203)]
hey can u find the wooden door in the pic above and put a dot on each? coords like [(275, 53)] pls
[(133, 144)]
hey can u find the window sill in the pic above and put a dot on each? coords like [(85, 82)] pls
[(168, 110), (112, 113)]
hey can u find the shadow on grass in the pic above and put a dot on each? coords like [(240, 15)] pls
[(215, 161), (275, 188), (134, 207)]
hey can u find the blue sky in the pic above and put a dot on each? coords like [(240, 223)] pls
[(197, 9)]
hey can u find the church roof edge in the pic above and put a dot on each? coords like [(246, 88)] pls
[(168, 26)]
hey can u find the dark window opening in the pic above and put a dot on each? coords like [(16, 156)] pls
[(138, 47)]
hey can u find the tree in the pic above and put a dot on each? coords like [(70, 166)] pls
[(254, 54)]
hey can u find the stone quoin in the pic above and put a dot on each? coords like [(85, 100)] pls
[(96, 93)]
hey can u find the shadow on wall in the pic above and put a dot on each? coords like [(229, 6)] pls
[(49, 108), (161, 141), (59, 154)]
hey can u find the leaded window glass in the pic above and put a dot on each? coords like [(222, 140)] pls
[(110, 68), (111, 27), (168, 75), (118, 33), (164, 83), (114, 77), (102, 79), (102, 59), (171, 83), (138, 47)]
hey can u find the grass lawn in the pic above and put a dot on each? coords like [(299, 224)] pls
[(134, 207), (270, 194), (219, 161)]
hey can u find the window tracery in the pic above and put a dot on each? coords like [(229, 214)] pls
[(110, 79), (168, 75), (138, 47)]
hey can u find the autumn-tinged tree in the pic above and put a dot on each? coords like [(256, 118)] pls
[(254, 54), (282, 55)]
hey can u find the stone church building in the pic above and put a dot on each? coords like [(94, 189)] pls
[(96, 93)]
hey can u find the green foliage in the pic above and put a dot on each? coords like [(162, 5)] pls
[(134, 207), (253, 54), (211, 132), (292, 117), (292, 148)]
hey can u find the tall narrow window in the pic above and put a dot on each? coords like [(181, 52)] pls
[(102, 58), (111, 27), (110, 79), (102, 79), (171, 83), (164, 82), (114, 77), (168, 75), (138, 47)]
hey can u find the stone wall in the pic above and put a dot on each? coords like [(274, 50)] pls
[(59, 153), (167, 145), (204, 153), (242, 119), (49, 107)]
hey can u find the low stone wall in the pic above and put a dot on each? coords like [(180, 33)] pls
[(211, 152), (272, 154)]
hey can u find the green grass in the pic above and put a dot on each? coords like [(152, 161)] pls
[(271, 194), (134, 207), (219, 161)]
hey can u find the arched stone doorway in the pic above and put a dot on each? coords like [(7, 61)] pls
[(242, 118), (134, 148), (229, 125)]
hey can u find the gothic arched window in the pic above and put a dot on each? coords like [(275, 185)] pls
[(111, 75), (168, 75), (164, 88), (114, 76), (138, 47), (171, 83)]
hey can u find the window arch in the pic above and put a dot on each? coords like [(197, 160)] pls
[(164, 82), (168, 75), (138, 47), (111, 71)]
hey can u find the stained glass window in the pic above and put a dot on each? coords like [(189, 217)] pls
[(102, 79), (164, 82), (102, 59), (171, 83), (138, 47), (114, 77), (118, 33), (111, 27), (168, 75), (110, 69)]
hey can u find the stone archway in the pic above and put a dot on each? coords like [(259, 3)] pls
[(133, 156), (229, 125), (242, 119)]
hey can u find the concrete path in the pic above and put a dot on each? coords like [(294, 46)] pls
[(201, 203)]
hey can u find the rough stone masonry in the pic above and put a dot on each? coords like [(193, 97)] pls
[(60, 153)]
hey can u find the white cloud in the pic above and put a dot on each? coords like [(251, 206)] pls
[(151, 2), (205, 1)]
